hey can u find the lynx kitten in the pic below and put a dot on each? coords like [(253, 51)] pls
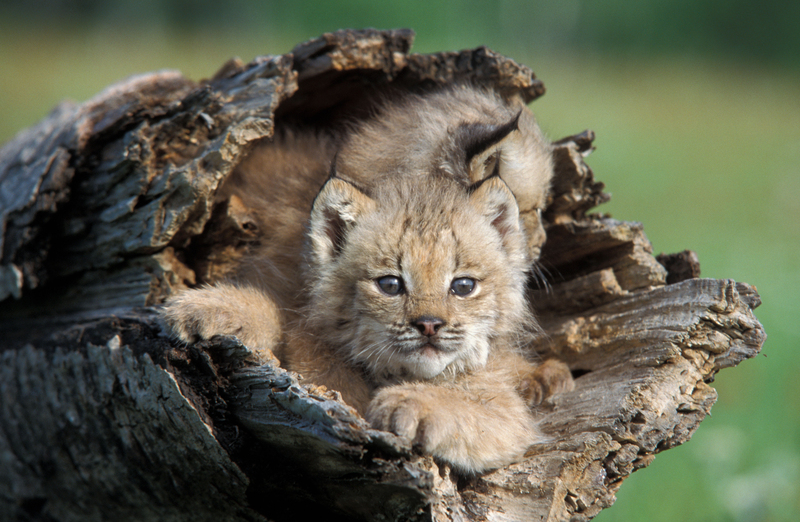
[(402, 283)]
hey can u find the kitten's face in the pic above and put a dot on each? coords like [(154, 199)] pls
[(420, 284)]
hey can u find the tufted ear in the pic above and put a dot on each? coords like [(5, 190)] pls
[(478, 144), (494, 200), (335, 211)]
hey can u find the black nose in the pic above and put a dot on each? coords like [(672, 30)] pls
[(428, 325)]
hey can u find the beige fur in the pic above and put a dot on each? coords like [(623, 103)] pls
[(408, 295), (426, 128)]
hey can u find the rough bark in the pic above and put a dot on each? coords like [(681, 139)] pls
[(108, 207)]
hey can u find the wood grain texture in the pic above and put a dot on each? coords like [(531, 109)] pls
[(110, 206), (100, 432)]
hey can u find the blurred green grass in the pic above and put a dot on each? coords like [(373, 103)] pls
[(703, 151)]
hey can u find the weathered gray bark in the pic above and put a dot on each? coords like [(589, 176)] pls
[(109, 206)]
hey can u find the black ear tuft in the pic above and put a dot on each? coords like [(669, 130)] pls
[(332, 171), (475, 138)]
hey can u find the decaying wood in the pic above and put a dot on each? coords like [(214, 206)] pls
[(109, 206)]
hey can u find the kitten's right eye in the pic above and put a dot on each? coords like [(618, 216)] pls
[(390, 285)]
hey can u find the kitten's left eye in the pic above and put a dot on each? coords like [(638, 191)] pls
[(462, 286)]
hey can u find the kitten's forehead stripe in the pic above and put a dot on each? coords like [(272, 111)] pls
[(388, 262), (457, 263)]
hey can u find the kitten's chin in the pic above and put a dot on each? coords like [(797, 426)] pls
[(423, 363), (427, 362)]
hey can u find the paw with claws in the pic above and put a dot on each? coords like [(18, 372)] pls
[(400, 411), (471, 430), (243, 312)]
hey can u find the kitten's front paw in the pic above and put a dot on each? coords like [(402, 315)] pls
[(473, 433), (547, 379), (399, 411), (245, 313)]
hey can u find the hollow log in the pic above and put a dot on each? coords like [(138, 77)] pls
[(109, 206)]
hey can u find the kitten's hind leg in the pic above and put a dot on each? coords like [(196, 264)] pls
[(544, 380), (226, 309)]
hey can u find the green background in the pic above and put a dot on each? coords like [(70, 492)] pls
[(696, 106)]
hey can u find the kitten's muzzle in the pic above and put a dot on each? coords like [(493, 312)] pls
[(427, 325)]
